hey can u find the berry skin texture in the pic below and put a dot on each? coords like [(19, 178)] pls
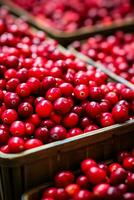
[(128, 163), (4, 136), (72, 189), (81, 92), (120, 113), (44, 108), (9, 116), (83, 195), (17, 128), (62, 105), (93, 109), (62, 179), (23, 90), (32, 143), (96, 175), (100, 190), (87, 164), (106, 119), (70, 120), (58, 133), (16, 145)]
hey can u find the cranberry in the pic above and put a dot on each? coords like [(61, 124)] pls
[(23, 90), (34, 119), (122, 187), (113, 193), (42, 134), (62, 105), (112, 97), (9, 116), (90, 128), (16, 145), (81, 92), (12, 84), (25, 109), (72, 189), (130, 182), (85, 121), (83, 195), (62, 179), (122, 155), (83, 182), (100, 190), (58, 133), (4, 136), (50, 193), (106, 119), (70, 120), (120, 113), (38, 73), (87, 164), (81, 78), (128, 196), (5, 149), (128, 163), (11, 62), (29, 128), (53, 93), (118, 176), (17, 128), (93, 109), (11, 100), (10, 73), (44, 108), (73, 132), (32, 143), (34, 85), (66, 89), (61, 194), (95, 93), (114, 166), (96, 175), (48, 82), (22, 74)]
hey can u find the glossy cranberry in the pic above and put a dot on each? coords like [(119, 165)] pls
[(127, 94), (61, 194), (122, 187), (10, 73), (56, 72), (103, 166), (122, 155), (50, 193), (78, 110), (95, 93), (11, 100), (62, 105), (47, 123), (93, 109), (73, 132), (32, 143), (112, 97), (42, 134), (25, 109), (83, 195), (114, 166), (23, 90), (113, 193), (130, 182), (56, 118), (17, 128), (34, 85), (44, 108), (128, 196), (72, 189), (70, 120), (100, 190), (9, 116), (34, 119), (83, 182), (53, 93), (81, 78), (11, 62), (106, 119), (4, 136), (90, 128), (118, 176), (87, 164), (85, 122), (128, 163), (66, 89), (38, 73), (12, 84), (96, 175), (16, 145), (62, 179), (48, 82), (120, 113), (5, 149), (29, 128), (22, 74), (58, 133), (2, 83), (81, 92)]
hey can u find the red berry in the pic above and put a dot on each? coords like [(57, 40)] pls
[(100, 190), (16, 145), (58, 133), (32, 143), (44, 108), (93, 109), (120, 113), (17, 128), (81, 92), (23, 90), (66, 89), (53, 93), (4, 136), (87, 164), (25, 109), (72, 189), (62, 179), (70, 120), (83, 195), (96, 175), (62, 105), (128, 163), (73, 132), (9, 116), (42, 134), (106, 119)]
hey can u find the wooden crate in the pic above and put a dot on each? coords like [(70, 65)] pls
[(23, 171), (65, 37)]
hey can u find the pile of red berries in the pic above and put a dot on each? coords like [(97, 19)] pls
[(70, 15), (46, 95), (116, 52), (96, 181)]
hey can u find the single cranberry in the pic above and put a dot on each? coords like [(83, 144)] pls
[(34, 119), (62, 105), (56, 118), (90, 128), (73, 132), (12, 84), (32, 143), (50, 193), (9, 116), (83, 182), (106, 119), (122, 187), (11, 100), (100, 190), (128, 163), (114, 166), (93, 109), (29, 129), (95, 93), (5, 149), (120, 113), (22, 75), (48, 82), (53, 93), (10, 73), (58, 133), (34, 85), (85, 121), (96, 175), (103, 166), (23, 90), (122, 155), (70, 120), (66, 89), (61, 194), (17, 128), (16, 145), (62, 179), (118, 176), (37, 72), (130, 182), (25, 109), (42, 134), (112, 97), (72, 189), (113, 193), (83, 195), (81, 92), (81, 78), (4, 136), (44, 108), (2, 84), (87, 164), (11, 62)]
